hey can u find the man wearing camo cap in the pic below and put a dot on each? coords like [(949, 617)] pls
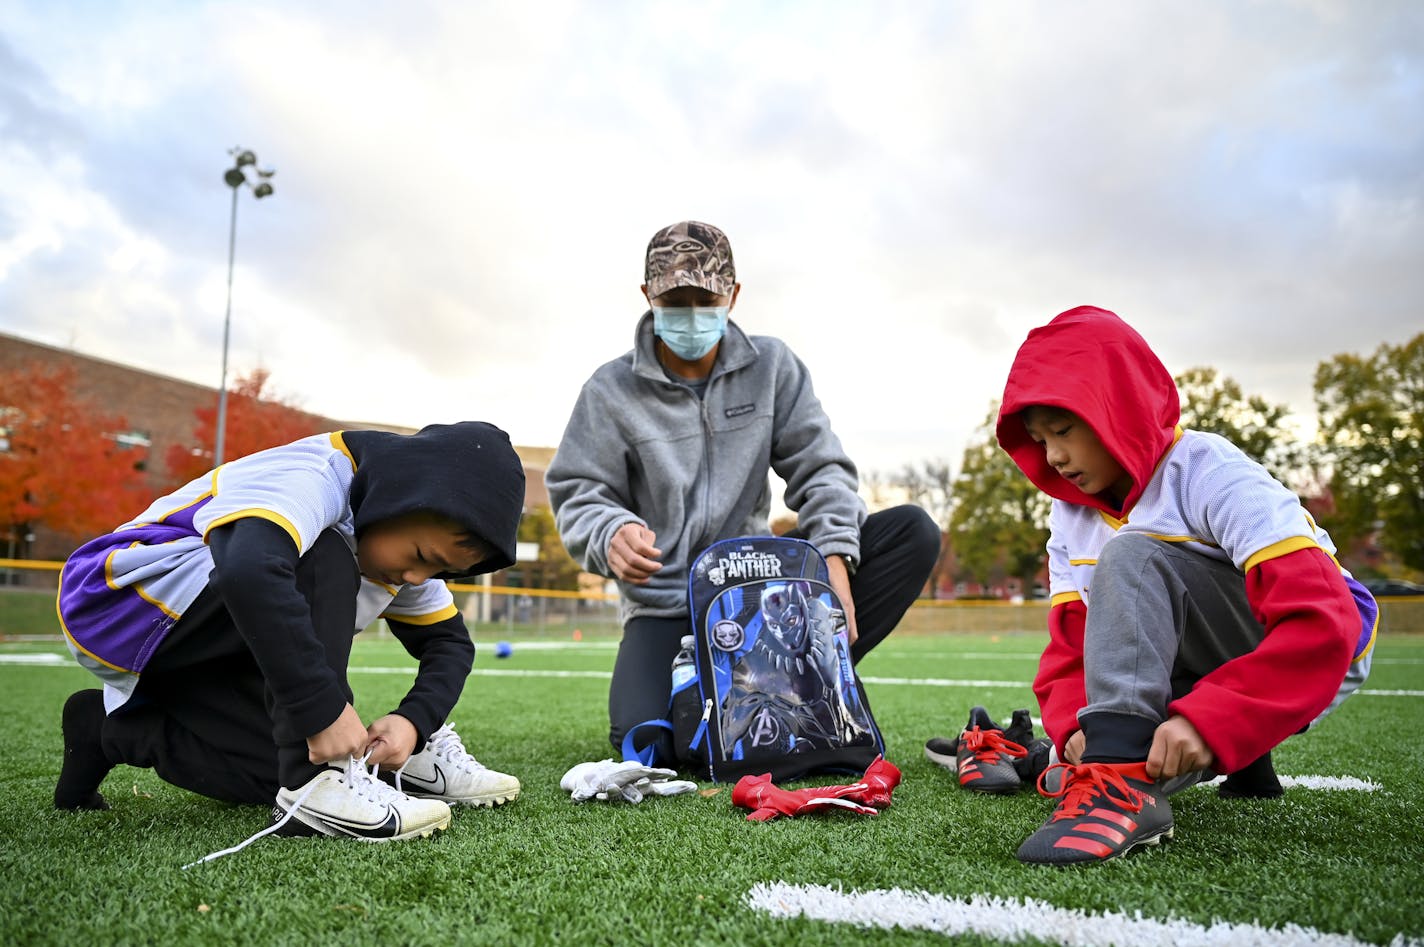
[(668, 451)]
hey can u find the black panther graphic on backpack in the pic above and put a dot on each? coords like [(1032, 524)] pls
[(770, 688)]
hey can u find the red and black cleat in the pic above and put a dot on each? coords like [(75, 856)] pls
[(1104, 810), (984, 758)]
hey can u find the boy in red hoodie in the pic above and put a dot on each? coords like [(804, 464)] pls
[(1220, 622)]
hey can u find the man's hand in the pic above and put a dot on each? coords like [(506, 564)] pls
[(1073, 748), (344, 738), (391, 740), (632, 555), (1177, 748), (840, 584)]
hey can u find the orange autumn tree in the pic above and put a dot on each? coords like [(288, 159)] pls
[(256, 420), (61, 463)]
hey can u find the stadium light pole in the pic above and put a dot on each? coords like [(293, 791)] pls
[(236, 177)]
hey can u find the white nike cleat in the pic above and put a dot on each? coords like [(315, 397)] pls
[(353, 803), (445, 771)]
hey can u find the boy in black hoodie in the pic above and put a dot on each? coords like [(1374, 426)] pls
[(220, 621)]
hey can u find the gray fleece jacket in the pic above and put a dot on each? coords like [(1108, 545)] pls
[(641, 448)]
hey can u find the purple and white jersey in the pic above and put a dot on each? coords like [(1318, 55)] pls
[(121, 593)]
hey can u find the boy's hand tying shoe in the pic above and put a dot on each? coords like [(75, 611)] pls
[(1104, 810)]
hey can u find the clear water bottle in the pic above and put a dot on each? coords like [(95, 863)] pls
[(684, 668)]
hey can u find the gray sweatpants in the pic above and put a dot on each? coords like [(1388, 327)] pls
[(1160, 618)]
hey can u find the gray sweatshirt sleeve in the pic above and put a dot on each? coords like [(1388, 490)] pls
[(582, 479), (821, 480)]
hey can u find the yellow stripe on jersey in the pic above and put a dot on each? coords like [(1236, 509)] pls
[(339, 443), (189, 505), (1182, 539), (1063, 598), (1283, 548), (449, 611), (256, 513), (1374, 635), (1117, 523), (1082, 562), (75, 644), (155, 602), (109, 568)]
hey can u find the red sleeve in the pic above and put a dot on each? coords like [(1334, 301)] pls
[(1251, 703), (1059, 681)]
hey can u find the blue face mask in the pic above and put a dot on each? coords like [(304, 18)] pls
[(690, 331)]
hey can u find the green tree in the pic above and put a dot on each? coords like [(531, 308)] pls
[(1000, 519), (1216, 405), (555, 568), (1371, 417)]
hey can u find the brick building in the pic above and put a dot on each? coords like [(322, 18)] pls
[(160, 412)]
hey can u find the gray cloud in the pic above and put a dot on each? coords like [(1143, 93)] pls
[(463, 193)]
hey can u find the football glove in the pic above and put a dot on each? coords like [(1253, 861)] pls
[(629, 780)]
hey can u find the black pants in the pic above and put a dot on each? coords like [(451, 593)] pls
[(202, 717), (898, 550)]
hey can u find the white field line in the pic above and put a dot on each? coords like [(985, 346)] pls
[(944, 682), (51, 659), (40, 658), (553, 645), (1011, 920), (978, 655), (1330, 783), (1323, 783)]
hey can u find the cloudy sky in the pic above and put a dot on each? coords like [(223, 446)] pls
[(465, 190)]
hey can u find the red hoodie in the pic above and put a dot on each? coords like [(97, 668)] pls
[(1204, 493)]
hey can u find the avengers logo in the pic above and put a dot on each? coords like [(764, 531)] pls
[(766, 729), (727, 635)]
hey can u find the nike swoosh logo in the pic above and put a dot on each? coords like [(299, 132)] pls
[(385, 828), (435, 785)]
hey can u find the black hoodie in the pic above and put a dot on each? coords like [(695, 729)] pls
[(466, 472)]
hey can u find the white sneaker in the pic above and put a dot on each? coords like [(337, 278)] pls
[(352, 802), (445, 771)]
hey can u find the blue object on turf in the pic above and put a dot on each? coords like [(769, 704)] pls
[(503, 649)]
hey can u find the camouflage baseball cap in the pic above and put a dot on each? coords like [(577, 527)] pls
[(689, 254)]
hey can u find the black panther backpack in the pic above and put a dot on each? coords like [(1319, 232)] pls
[(768, 685)]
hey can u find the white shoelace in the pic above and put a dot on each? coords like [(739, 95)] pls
[(362, 781), (446, 744)]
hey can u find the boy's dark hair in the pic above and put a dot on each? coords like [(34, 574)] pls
[(475, 543), (465, 537)]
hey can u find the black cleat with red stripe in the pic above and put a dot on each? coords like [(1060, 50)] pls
[(1104, 810), (985, 757)]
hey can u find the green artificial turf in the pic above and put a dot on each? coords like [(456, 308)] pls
[(678, 870)]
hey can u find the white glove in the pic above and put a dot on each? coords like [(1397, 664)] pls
[(628, 780)]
